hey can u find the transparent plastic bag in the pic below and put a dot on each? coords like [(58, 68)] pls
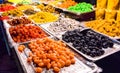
[(101, 3), (100, 13), (110, 14)]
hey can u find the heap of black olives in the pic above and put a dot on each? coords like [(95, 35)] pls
[(88, 41)]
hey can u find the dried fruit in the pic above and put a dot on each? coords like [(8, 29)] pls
[(43, 17), (67, 4), (14, 12), (30, 11), (88, 42), (21, 48), (108, 27), (47, 8), (51, 54), (19, 21), (24, 33)]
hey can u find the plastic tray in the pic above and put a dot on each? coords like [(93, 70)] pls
[(81, 65), (108, 51)]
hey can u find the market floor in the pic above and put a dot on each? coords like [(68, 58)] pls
[(110, 64)]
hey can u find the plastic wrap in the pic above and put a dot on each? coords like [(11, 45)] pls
[(101, 3), (118, 16), (81, 65), (113, 4), (100, 13), (110, 14)]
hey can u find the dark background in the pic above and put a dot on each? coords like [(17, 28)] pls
[(88, 1)]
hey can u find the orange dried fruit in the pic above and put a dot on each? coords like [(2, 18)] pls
[(56, 69), (38, 70)]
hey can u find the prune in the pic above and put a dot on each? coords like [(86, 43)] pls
[(82, 50), (91, 48), (88, 51), (88, 42), (64, 37), (111, 44), (76, 43), (100, 52), (105, 45), (78, 48)]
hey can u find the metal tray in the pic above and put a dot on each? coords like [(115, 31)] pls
[(12, 42), (108, 51), (79, 16), (7, 25), (114, 38), (45, 27), (77, 13), (57, 34), (81, 65)]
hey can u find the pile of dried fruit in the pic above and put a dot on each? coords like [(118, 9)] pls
[(108, 27), (6, 8), (30, 11), (88, 42), (47, 8), (81, 7), (24, 33), (43, 17), (24, 7), (19, 21), (2, 5), (48, 53), (64, 24), (35, 3), (13, 13), (4, 17), (54, 3), (19, 4), (67, 4)]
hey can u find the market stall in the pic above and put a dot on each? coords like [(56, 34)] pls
[(61, 36)]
